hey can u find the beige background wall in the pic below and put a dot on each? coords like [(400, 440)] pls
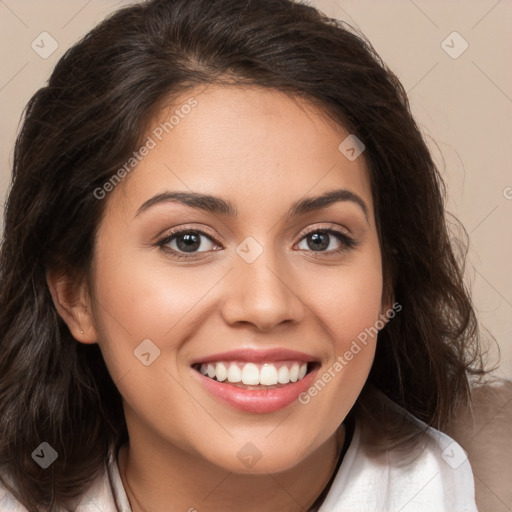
[(463, 103)]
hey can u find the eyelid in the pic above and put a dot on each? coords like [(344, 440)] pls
[(324, 227), (346, 239), (178, 230), (343, 234)]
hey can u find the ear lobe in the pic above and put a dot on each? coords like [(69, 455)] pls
[(72, 301)]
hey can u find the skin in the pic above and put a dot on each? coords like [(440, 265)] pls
[(261, 150)]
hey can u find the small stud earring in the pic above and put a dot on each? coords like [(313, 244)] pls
[(81, 332)]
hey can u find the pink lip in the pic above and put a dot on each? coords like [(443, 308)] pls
[(257, 356), (255, 400)]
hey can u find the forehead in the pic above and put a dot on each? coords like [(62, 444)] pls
[(252, 145)]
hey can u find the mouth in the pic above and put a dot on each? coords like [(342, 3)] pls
[(256, 381), (249, 375)]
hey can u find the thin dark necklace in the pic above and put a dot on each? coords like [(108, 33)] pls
[(313, 507), (131, 491), (340, 454)]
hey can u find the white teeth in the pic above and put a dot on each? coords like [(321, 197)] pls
[(268, 375), (294, 372), (265, 374), (283, 375), (221, 372), (250, 374), (234, 373)]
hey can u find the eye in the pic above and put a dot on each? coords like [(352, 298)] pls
[(185, 243), (323, 240)]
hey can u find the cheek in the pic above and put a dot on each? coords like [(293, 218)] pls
[(142, 299), (349, 317), (136, 301), (146, 309), (348, 304), (349, 301)]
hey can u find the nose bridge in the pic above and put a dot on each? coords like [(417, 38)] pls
[(260, 290)]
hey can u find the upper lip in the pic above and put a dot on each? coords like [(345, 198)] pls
[(257, 356)]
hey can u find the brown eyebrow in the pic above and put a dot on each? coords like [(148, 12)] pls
[(217, 205), (333, 196)]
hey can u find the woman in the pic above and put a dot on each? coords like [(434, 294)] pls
[(216, 210)]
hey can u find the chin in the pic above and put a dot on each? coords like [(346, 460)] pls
[(251, 459)]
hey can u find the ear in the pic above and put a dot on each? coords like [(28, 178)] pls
[(73, 303)]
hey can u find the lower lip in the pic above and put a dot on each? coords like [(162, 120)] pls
[(255, 400)]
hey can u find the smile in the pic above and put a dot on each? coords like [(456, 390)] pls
[(256, 381), (255, 374)]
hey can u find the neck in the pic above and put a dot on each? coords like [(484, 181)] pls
[(187, 483)]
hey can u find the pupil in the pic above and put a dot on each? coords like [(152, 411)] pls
[(191, 242), (323, 238)]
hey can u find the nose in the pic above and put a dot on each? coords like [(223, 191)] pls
[(261, 293)]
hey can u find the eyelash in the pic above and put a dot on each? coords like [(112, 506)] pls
[(346, 241)]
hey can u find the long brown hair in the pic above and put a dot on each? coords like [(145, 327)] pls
[(90, 117)]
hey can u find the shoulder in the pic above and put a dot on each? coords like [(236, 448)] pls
[(8, 503), (106, 492), (437, 477)]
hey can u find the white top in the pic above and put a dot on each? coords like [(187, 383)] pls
[(439, 479)]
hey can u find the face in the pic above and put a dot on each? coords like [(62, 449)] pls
[(254, 282)]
